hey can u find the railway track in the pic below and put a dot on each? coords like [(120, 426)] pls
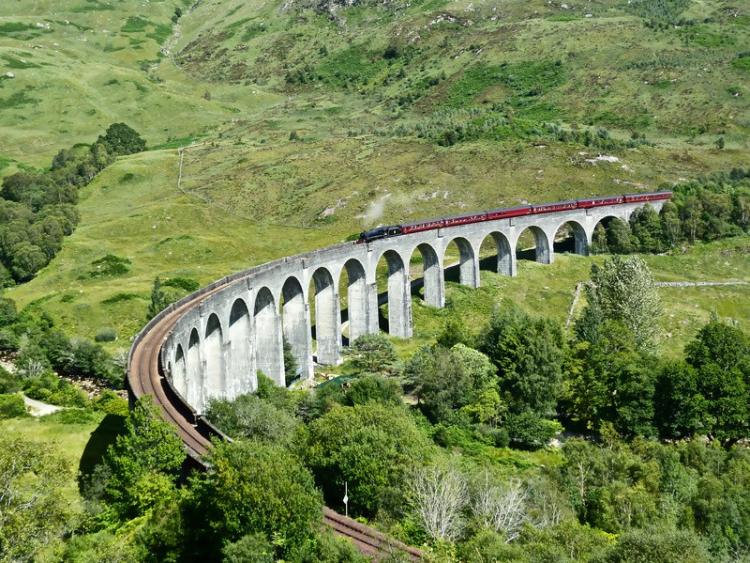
[(145, 377)]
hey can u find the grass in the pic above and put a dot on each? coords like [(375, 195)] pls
[(69, 440), (250, 194)]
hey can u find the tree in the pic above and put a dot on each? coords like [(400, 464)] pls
[(148, 448), (622, 289), (501, 507), (671, 228), (159, 300), (612, 382), (657, 545), (618, 237), (34, 510), (447, 380), (646, 228), (251, 488), (437, 495), (599, 241), (721, 356), (291, 369), (121, 139), (248, 416), (454, 332), (528, 354), (372, 447), (373, 389), (373, 354), (680, 409)]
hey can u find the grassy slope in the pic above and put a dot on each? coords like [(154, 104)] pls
[(353, 166)]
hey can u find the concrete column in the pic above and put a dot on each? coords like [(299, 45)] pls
[(213, 355), (194, 372), (327, 318), (544, 246), (432, 275), (399, 297), (241, 352), (296, 323), (357, 300), (373, 317), (506, 257), (269, 346)]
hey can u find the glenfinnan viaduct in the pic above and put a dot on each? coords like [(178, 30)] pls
[(235, 327)]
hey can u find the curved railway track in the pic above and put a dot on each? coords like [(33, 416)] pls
[(145, 377)]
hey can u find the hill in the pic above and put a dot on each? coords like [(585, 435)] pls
[(321, 118)]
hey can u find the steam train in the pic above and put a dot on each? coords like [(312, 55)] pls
[(408, 228)]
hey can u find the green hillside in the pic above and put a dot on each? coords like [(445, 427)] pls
[(325, 118)]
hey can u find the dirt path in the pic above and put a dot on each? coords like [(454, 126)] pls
[(38, 408)]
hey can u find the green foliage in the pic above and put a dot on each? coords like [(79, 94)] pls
[(622, 289), (11, 406), (372, 447), (250, 548), (107, 334), (121, 139), (528, 79), (159, 300), (373, 389), (290, 363), (8, 313), (8, 382), (659, 546), (109, 266), (454, 332), (188, 285), (373, 354), (34, 511), (446, 380), (708, 393), (528, 353), (251, 488), (659, 11), (248, 416), (143, 463), (49, 388), (610, 381)]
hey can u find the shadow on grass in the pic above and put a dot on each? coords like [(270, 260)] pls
[(105, 434)]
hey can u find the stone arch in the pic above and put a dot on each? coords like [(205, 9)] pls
[(269, 351), (468, 265), (194, 372), (241, 374), (295, 322), (542, 250), (179, 374), (576, 232), (356, 298), (432, 275), (399, 295), (213, 352), (501, 258), (327, 318)]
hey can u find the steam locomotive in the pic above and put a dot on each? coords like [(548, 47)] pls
[(408, 228)]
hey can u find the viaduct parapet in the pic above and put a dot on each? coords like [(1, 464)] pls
[(227, 332)]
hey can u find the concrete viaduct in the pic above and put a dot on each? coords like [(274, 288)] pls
[(215, 349)]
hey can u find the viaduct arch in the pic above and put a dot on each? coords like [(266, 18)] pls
[(237, 326)]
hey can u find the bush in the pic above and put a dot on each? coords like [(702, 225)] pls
[(51, 389), (106, 335), (8, 382), (122, 139), (12, 406), (248, 416)]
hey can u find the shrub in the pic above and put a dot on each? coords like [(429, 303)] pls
[(8, 382), (106, 335), (12, 406)]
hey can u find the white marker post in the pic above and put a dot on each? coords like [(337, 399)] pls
[(346, 499)]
